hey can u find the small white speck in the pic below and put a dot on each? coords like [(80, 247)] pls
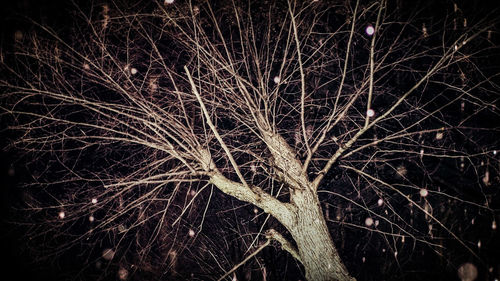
[(376, 223), (368, 221), (424, 192), (439, 135), (94, 200), (363, 259), (486, 178), (62, 215), (380, 202), (133, 70), (494, 225), (192, 192), (494, 152), (255, 210), (91, 219), (253, 168), (424, 30), (169, 1), (370, 30), (370, 113), (86, 66), (276, 79), (479, 244), (191, 233)]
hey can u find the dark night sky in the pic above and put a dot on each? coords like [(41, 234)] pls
[(14, 16)]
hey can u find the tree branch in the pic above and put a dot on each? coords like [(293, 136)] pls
[(285, 244), (254, 195)]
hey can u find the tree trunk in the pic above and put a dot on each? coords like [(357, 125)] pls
[(314, 243)]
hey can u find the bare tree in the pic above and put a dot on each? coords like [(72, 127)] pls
[(132, 115)]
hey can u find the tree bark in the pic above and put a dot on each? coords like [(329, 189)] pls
[(314, 243)]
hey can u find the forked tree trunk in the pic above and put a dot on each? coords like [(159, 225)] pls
[(314, 243)]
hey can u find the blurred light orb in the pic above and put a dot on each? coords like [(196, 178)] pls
[(370, 113), (424, 192), (91, 219), (133, 71), (494, 225), (121, 228), (380, 202), (467, 272), (401, 171), (62, 215), (368, 221), (18, 35), (94, 200), (108, 254), (122, 273), (169, 1), (276, 79), (191, 233), (11, 172), (370, 30)]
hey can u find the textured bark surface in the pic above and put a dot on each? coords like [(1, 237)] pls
[(317, 251)]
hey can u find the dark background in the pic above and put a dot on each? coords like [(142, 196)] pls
[(17, 264)]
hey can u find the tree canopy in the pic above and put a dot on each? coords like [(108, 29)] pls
[(199, 139)]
